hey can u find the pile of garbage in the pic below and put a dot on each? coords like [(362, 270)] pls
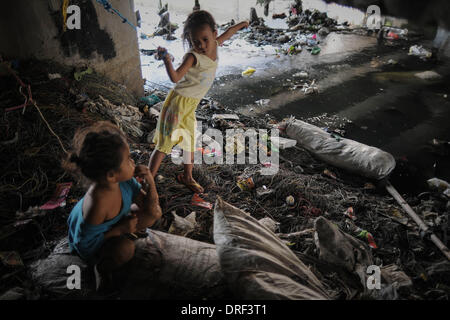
[(336, 223), (306, 30), (165, 27)]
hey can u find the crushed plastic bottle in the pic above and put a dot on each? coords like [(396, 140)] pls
[(419, 51), (438, 184), (248, 72)]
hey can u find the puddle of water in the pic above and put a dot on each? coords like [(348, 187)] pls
[(236, 55)]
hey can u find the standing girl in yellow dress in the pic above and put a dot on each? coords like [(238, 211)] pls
[(193, 78)]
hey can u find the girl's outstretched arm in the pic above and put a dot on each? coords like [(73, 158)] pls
[(178, 74), (230, 31)]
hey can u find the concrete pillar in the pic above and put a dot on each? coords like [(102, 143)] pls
[(442, 42), (35, 29)]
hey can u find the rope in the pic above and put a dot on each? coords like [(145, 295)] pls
[(48, 126), (108, 7), (29, 100)]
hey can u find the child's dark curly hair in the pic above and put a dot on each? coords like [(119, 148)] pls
[(96, 150), (194, 21)]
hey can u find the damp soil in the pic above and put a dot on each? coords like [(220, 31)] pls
[(387, 107)]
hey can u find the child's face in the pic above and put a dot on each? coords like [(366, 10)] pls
[(204, 40), (126, 169)]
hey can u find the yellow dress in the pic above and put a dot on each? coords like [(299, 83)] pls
[(177, 123)]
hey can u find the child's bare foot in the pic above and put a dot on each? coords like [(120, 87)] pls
[(190, 183)]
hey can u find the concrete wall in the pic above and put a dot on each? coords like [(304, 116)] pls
[(35, 29)]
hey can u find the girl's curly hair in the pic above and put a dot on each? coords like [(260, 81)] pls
[(194, 21), (96, 150)]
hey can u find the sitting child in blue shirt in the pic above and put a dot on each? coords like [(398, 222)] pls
[(100, 222)]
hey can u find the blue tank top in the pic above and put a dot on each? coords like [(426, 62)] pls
[(85, 238)]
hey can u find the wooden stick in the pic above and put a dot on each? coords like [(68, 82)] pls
[(295, 234), (417, 219)]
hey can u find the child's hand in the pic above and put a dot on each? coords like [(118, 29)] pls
[(162, 54), (144, 176), (142, 172), (245, 24), (128, 224)]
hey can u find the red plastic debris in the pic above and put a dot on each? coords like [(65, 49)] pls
[(197, 201)]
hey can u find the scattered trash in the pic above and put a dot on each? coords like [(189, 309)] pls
[(176, 153), (283, 143), (59, 197), (330, 174), (151, 100), (79, 75), (392, 62), (53, 76), (127, 117), (158, 106), (315, 50), (261, 269), (290, 200), (279, 15), (263, 191), (263, 102), (437, 142), (225, 116), (293, 50), (310, 88), (428, 75), (301, 74), (350, 214), (392, 36), (159, 178), (148, 52), (197, 201), (152, 113), (297, 234), (391, 33), (341, 249), (248, 72), (30, 213), (150, 136), (419, 51), (246, 184), (393, 274), (270, 145), (269, 224), (375, 62), (182, 226), (369, 186), (367, 235), (323, 32), (438, 184)]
